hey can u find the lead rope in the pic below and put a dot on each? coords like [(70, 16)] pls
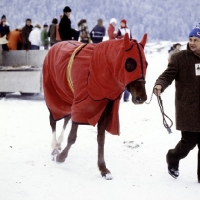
[(164, 116)]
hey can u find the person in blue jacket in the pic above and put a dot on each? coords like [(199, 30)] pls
[(98, 32)]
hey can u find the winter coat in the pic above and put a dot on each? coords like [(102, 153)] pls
[(84, 32), (26, 45), (65, 30), (111, 33), (14, 37), (34, 37), (122, 31), (187, 97), (57, 33), (44, 37), (4, 30), (52, 33), (172, 52), (97, 34)]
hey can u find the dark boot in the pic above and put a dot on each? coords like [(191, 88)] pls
[(173, 171)]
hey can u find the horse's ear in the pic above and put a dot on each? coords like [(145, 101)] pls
[(127, 43), (144, 40)]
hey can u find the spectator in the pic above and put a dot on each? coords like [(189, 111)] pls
[(15, 39), (123, 29), (26, 45), (84, 32), (35, 37), (176, 48), (58, 39), (112, 33), (52, 31), (4, 30), (120, 34), (44, 37), (65, 30), (98, 32)]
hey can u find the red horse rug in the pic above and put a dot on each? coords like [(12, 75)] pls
[(80, 79)]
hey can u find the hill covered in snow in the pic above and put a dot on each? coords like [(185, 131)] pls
[(162, 20)]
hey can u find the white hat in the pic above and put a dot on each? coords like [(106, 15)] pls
[(113, 20), (19, 28), (3, 40)]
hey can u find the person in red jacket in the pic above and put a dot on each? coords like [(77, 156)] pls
[(123, 29), (111, 29), (14, 38)]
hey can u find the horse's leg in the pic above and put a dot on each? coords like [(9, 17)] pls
[(54, 143), (71, 140), (101, 140), (60, 138)]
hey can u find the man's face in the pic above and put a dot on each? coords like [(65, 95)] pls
[(67, 14), (28, 23), (194, 44), (3, 20)]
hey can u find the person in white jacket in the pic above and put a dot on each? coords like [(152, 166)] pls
[(34, 37)]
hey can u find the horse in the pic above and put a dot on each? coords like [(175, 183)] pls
[(84, 83)]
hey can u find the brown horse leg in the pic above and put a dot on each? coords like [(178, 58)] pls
[(101, 140), (71, 140), (60, 138)]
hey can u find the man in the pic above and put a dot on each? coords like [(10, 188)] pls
[(45, 37), (35, 37), (14, 38), (4, 31), (65, 30), (184, 67), (26, 45)]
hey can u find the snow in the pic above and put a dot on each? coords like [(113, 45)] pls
[(136, 158)]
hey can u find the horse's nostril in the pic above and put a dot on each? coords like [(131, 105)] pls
[(138, 99)]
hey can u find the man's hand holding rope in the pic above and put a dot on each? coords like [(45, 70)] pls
[(157, 90)]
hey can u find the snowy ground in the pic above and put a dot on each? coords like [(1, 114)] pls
[(136, 158)]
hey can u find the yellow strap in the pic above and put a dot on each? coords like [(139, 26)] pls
[(69, 67)]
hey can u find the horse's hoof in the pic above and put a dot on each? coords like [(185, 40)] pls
[(54, 153), (59, 158), (107, 176), (59, 147)]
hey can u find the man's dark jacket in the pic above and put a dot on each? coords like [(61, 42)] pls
[(187, 84), (65, 30)]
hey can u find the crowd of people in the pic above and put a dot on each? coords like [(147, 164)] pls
[(34, 37)]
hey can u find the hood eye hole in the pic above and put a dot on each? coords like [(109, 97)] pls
[(130, 65)]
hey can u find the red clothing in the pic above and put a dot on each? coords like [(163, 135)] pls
[(57, 33), (13, 38), (95, 79), (111, 33)]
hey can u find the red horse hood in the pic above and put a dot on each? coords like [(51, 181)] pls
[(108, 77)]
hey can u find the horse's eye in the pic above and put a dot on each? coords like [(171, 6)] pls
[(130, 65), (146, 64)]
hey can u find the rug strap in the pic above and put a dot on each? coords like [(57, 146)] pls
[(69, 67)]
